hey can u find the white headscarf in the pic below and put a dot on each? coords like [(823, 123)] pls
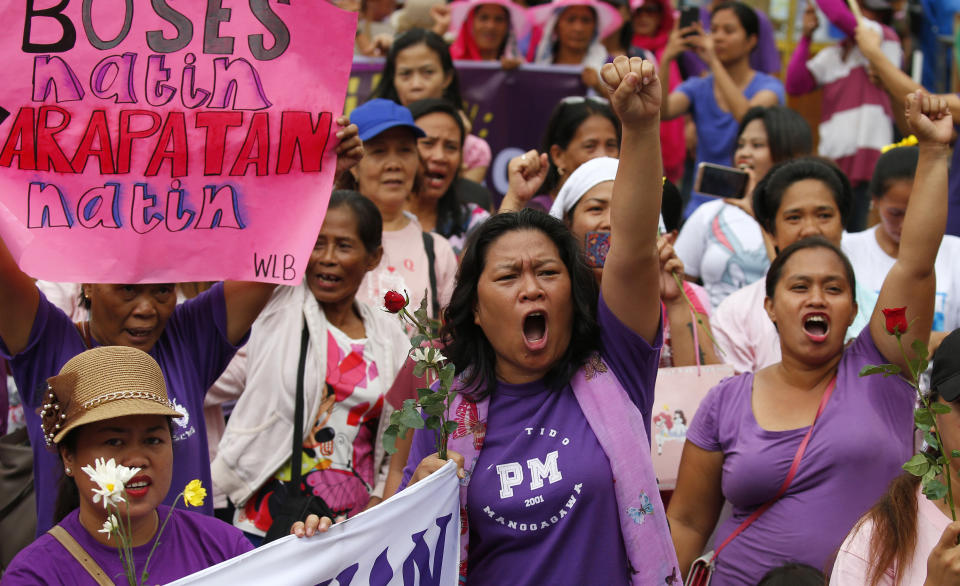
[(581, 181), (596, 55), (586, 177)]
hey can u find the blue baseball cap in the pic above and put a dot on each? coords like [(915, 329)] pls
[(379, 115)]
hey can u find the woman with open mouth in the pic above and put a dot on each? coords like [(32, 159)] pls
[(351, 353), (547, 371), (805, 446), (111, 403), (436, 204)]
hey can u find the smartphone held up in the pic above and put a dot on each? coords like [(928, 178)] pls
[(720, 181)]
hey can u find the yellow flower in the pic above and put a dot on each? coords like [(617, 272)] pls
[(194, 494)]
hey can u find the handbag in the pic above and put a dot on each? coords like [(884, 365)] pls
[(294, 505), (701, 570)]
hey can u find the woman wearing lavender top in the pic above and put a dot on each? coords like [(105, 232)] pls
[(743, 438), (523, 319)]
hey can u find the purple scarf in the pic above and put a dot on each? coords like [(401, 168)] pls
[(619, 428)]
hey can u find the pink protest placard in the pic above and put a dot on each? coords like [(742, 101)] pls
[(172, 140)]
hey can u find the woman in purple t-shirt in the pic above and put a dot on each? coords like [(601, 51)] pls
[(745, 434), (523, 320), (110, 406)]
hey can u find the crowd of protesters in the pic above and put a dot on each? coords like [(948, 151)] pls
[(791, 470)]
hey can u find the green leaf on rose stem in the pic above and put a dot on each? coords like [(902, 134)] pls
[(418, 340), (940, 408), (918, 365), (395, 417), (920, 349), (955, 453), (411, 418), (390, 440), (450, 426), (431, 354), (928, 475), (446, 375), (421, 312), (931, 440), (423, 392), (884, 369), (922, 419), (419, 368), (934, 490), (917, 465), (434, 422)]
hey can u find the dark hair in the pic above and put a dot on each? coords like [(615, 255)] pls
[(747, 17), (369, 221), (564, 122), (451, 214), (468, 347), (788, 133), (894, 165), (776, 267), (793, 574), (768, 194), (417, 36), (671, 206)]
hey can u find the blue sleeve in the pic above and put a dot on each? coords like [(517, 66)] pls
[(768, 82), (692, 88), (632, 359)]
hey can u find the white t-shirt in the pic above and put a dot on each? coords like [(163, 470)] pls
[(873, 264), (723, 246), (404, 267), (852, 564)]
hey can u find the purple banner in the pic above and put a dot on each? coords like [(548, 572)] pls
[(509, 109)]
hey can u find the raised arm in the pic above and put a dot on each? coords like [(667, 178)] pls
[(897, 83), (839, 14), (631, 275), (18, 299), (673, 103), (911, 281), (799, 80)]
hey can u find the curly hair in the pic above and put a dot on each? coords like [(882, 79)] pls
[(467, 345)]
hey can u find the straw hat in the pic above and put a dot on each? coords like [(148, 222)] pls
[(103, 383)]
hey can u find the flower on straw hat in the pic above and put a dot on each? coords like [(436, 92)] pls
[(194, 494), (110, 479)]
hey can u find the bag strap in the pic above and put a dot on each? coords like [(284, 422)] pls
[(431, 261), (786, 482), (296, 458), (81, 555)]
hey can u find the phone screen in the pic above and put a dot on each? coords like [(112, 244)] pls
[(720, 181), (596, 246), (689, 16)]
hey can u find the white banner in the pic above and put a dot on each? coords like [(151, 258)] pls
[(412, 538)]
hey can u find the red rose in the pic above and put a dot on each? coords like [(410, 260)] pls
[(896, 320), (394, 301)]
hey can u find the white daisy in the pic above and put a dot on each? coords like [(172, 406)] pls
[(111, 479)]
